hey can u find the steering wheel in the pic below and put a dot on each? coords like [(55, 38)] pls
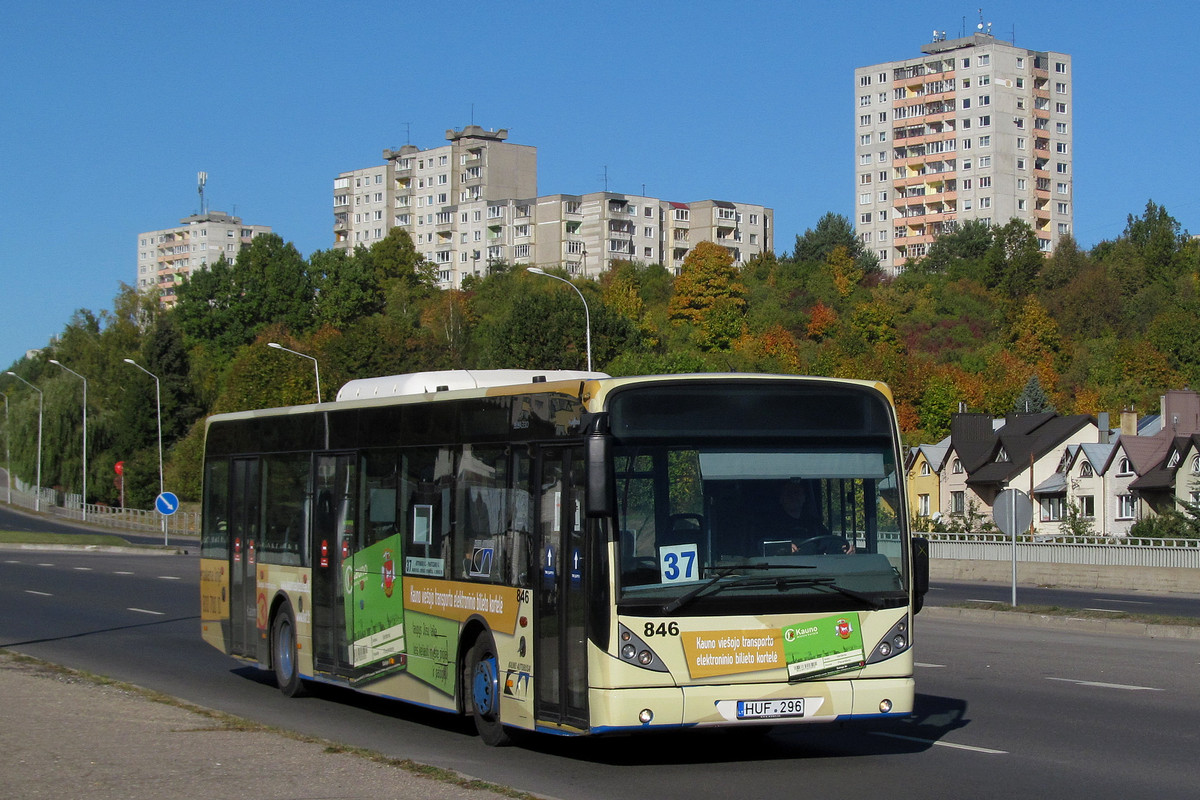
[(674, 519), (825, 544)]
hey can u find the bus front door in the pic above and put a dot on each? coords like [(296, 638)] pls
[(334, 544), (560, 668), (244, 516)]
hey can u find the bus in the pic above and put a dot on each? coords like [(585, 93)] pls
[(572, 553)]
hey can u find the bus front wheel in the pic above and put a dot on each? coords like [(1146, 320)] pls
[(283, 654), (482, 689)]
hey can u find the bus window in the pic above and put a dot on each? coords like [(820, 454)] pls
[(379, 496), (215, 541), (482, 511), (286, 510), (428, 474)]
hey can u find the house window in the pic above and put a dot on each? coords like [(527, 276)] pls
[(1087, 506), (956, 467), (1196, 465), (1125, 506), (1124, 467), (923, 505), (1052, 507), (958, 502), (1085, 471), (925, 470)]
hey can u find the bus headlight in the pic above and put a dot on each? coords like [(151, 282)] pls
[(636, 652), (896, 641)]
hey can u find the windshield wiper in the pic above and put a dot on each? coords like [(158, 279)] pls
[(723, 572), (831, 583)]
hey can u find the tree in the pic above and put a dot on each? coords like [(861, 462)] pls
[(951, 251), (708, 295), (1013, 261), (832, 231), (1033, 399), (347, 286)]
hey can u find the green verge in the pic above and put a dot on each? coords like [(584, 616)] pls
[(79, 539), (1082, 613)]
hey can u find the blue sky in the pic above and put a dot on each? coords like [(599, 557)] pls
[(110, 109)]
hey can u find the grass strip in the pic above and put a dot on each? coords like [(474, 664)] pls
[(79, 539)]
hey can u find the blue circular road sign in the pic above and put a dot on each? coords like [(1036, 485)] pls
[(166, 503)]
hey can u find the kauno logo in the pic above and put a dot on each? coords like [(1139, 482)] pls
[(792, 634)]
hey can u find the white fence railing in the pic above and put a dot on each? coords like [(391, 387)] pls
[(1076, 550), (182, 523)]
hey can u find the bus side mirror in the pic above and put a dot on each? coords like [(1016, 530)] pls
[(920, 550), (600, 501)]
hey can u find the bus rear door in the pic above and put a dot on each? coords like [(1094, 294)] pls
[(244, 516)]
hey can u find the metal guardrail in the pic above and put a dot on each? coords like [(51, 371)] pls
[(1074, 550)]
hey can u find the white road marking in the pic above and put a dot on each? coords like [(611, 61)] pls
[(168, 577), (82, 569), (1127, 602), (46, 564), (122, 572), (1101, 685), (930, 666), (39, 594), (938, 742), (147, 611)]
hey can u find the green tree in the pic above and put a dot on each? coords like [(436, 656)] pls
[(1033, 399), (347, 287), (832, 231), (1013, 261)]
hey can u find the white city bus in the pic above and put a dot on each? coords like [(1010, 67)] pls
[(572, 553)]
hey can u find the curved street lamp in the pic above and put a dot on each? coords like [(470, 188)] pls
[(587, 315), (316, 366), (83, 504), (37, 497), (158, 406)]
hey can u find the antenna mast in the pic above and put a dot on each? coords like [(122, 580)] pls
[(201, 179)]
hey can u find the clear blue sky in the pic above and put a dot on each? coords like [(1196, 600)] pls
[(111, 108)]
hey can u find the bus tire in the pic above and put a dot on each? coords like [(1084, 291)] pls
[(482, 688), (284, 660)]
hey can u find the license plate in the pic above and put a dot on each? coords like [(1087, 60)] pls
[(770, 709)]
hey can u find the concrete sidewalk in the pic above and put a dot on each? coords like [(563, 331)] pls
[(66, 736)]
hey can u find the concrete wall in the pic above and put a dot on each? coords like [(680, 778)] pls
[(1150, 579)]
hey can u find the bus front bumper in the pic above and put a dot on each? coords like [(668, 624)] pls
[(616, 710)]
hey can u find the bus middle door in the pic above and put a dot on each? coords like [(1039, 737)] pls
[(334, 542), (560, 667)]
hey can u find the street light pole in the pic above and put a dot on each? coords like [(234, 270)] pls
[(158, 407), (316, 366), (7, 439), (83, 504), (587, 315), (37, 497)]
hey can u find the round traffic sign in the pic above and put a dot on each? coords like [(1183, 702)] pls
[(166, 503), (1013, 511)]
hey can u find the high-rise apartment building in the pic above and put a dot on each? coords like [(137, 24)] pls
[(166, 256), (474, 202), (974, 129)]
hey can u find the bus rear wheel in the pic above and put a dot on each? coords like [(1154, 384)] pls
[(283, 654), (481, 684)]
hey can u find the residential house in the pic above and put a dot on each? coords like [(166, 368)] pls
[(923, 477)]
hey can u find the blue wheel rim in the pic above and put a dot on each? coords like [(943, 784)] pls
[(484, 686)]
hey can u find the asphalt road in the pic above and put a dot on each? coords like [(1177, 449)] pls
[(1002, 710)]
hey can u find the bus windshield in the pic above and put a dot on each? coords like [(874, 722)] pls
[(795, 528), (757, 500)]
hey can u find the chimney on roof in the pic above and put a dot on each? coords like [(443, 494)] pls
[(1129, 423), (1105, 427)]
